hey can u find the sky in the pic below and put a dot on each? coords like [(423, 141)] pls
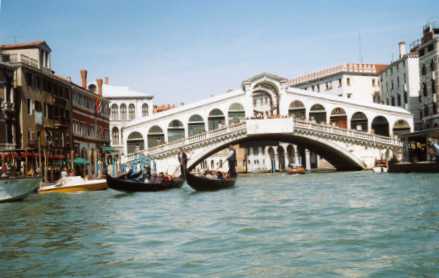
[(184, 50)]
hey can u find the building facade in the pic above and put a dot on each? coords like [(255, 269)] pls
[(359, 82), (8, 115), (400, 83), (427, 49), (90, 123)]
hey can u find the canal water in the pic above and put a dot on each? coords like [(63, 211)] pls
[(354, 224)]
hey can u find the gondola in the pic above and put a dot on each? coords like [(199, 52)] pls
[(130, 185), (200, 183), (133, 176)]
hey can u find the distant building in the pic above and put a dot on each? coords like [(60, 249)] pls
[(428, 51), (400, 83), (351, 81), (126, 105)]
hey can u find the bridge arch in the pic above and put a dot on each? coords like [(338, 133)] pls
[(155, 136), (337, 155), (236, 113), (297, 110), (317, 113), (380, 126), (359, 121), (175, 131), (196, 125), (135, 142), (216, 119)]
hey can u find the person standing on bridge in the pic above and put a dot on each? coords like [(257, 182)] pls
[(231, 159), (182, 158)]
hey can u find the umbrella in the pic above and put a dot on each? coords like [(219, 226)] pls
[(80, 161)]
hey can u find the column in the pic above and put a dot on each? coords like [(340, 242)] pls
[(276, 159), (307, 160), (285, 146), (296, 155)]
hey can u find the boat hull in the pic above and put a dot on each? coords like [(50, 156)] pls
[(295, 171), (15, 189), (74, 188), (129, 185), (207, 184)]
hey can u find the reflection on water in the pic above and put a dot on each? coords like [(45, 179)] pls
[(340, 224)]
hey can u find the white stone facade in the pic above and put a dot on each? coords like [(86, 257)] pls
[(359, 82)]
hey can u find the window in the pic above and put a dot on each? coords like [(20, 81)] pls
[(421, 52), (432, 65), (29, 106), (433, 87), (426, 110), (123, 112), (373, 82), (145, 110), (339, 82), (114, 112), (430, 47), (348, 81), (424, 70), (132, 111), (424, 89), (398, 99), (393, 101), (318, 87), (434, 108), (397, 82), (405, 97)]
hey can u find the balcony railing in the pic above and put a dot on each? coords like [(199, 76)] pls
[(25, 60)]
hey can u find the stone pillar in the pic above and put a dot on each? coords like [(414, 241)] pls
[(307, 160), (296, 155), (276, 159), (286, 156)]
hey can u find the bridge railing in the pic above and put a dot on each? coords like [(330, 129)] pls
[(346, 132)]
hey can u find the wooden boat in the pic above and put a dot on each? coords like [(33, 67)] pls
[(135, 175), (14, 189), (131, 185), (296, 170), (200, 183), (74, 184)]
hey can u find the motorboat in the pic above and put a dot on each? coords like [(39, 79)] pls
[(17, 188), (74, 184)]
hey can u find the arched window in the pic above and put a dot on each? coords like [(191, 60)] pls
[(135, 142), (297, 110), (401, 127), (359, 121), (123, 112), (175, 131), (132, 111), (196, 125), (145, 111), (236, 113), (317, 113), (216, 119), (380, 125), (115, 136), (338, 117), (114, 112), (155, 136)]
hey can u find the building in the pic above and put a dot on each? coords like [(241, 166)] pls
[(428, 51), (359, 82), (90, 123), (8, 115), (400, 83), (42, 107), (125, 105)]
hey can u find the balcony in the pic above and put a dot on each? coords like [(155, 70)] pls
[(25, 60)]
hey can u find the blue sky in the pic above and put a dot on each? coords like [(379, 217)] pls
[(181, 51)]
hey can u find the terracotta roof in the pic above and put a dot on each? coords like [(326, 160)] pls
[(24, 45)]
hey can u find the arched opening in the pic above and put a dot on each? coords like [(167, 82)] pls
[(115, 136), (132, 111), (297, 110), (339, 118), (281, 157), (401, 127), (196, 125), (123, 112), (155, 136), (216, 119), (359, 121), (380, 126), (175, 131), (135, 142), (265, 99), (291, 154), (317, 113), (145, 110), (236, 114), (114, 112)]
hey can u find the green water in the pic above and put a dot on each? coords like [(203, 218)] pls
[(319, 225)]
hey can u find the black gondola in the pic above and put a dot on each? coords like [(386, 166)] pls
[(200, 183), (135, 175), (129, 185)]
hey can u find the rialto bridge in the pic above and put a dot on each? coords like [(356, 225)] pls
[(347, 134)]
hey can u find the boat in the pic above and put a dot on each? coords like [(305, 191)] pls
[(131, 185), (201, 183), (134, 176), (15, 189), (296, 170), (414, 167), (74, 184), (380, 166)]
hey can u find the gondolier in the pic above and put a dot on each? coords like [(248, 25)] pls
[(182, 159), (231, 159)]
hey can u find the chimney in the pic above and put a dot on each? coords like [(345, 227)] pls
[(107, 80), (83, 73), (99, 83), (401, 49)]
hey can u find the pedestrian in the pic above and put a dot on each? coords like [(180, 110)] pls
[(231, 159), (182, 159)]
